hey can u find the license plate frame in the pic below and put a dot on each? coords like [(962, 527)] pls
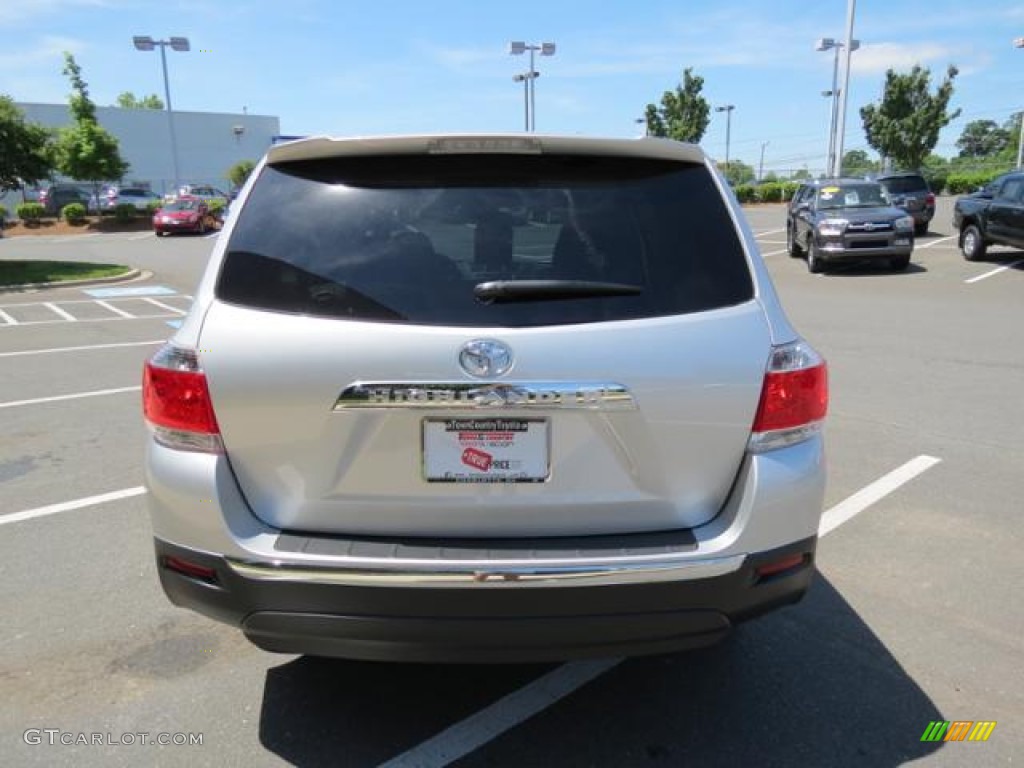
[(486, 450)]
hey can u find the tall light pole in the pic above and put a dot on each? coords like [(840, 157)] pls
[(526, 78), (146, 43), (851, 11), (727, 108), (760, 165), (1019, 43), (517, 48), (828, 44)]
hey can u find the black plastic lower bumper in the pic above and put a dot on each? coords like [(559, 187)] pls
[(482, 624)]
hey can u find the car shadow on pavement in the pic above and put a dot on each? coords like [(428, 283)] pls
[(808, 685), (867, 269)]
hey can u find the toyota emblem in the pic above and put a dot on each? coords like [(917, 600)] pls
[(484, 358)]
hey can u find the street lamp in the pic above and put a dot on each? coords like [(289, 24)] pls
[(727, 108), (1019, 43), (760, 165), (517, 48), (526, 78), (828, 44), (180, 44), (851, 12)]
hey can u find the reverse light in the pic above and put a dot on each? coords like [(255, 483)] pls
[(833, 227), (176, 402), (794, 398)]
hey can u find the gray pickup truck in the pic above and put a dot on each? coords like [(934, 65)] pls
[(992, 216)]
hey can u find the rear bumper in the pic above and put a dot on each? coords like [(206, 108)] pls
[(461, 616)]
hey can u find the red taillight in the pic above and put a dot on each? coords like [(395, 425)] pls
[(794, 397), (188, 568), (930, 200), (176, 401), (789, 562)]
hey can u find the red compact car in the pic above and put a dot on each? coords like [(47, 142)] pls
[(185, 214)]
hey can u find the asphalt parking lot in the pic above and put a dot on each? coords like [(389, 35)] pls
[(912, 619)]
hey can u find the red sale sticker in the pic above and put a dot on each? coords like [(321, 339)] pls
[(477, 459)]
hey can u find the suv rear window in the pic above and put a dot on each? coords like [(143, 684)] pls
[(406, 238), (902, 184)]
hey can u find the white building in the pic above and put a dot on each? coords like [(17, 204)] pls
[(208, 143)]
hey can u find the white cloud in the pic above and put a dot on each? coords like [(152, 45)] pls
[(876, 58), (49, 51), (17, 11)]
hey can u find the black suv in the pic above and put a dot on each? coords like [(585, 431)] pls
[(843, 220), (909, 190), (55, 197)]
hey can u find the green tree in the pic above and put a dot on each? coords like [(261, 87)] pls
[(737, 172), (25, 148), (239, 172), (129, 100), (982, 138), (683, 114), (905, 125), (85, 151), (857, 163)]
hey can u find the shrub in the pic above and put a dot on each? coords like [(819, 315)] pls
[(789, 189), (216, 207), (745, 193), (3, 213), (770, 192), (73, 213), (30, 213), (964, 183), (153, 206), (124, 212)]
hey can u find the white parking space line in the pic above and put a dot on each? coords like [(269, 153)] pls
[(62, 313), (489, 723), (75, 396), (168, 307), (115, 310), (865, 497), (773, 253), (995, 271), (140, 237), (769, 232), (7, 318), (69, 506), (486, 725), (88, 348), (931, 243)]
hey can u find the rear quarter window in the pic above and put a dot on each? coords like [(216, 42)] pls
[(406, 239)]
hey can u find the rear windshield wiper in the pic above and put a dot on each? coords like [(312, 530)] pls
[(509, 291)]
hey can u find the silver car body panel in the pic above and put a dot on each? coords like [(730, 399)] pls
[(669, 463)]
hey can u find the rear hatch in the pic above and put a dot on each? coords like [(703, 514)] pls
[(484, 345)]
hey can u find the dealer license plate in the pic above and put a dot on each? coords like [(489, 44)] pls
[(487, 450)]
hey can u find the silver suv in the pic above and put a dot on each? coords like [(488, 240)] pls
[(479, 398)]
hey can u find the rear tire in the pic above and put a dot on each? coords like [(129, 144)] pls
[(972, 244), (792, 247), (921, 228), (814, 263), (899, 263)]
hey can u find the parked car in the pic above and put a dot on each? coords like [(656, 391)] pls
[(185, 214), (56, 196), (136, 196), (833, 221), (203, 192), (992, 216), (489, 398), (910, 191)]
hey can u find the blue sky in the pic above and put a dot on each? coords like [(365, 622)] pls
[(398, 66)]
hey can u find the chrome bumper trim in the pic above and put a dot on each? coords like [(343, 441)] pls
[(493, 573)]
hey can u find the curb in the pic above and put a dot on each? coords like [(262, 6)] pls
[(127, 277)]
